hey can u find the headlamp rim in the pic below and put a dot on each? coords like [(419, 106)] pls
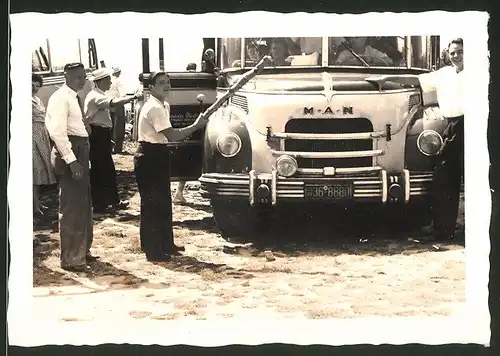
[(433, 132), (224, 136), (292, 159)]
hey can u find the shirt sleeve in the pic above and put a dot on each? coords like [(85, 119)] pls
[(102, 101), (429, 81), (160, 118), (56, 121)]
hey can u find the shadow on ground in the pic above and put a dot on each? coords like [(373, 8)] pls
[(101, 272), (207, 270), (337, 232)]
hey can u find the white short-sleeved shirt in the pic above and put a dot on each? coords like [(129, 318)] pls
[(449, 86), (154, 118)]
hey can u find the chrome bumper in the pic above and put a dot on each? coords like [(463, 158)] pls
[(379, 187)]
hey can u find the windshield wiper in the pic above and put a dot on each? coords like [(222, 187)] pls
[(344, 43)]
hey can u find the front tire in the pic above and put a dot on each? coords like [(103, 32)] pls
[(236, 218)]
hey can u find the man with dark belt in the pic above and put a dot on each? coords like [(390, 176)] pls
[(152, 169), (70, 158), (104, 190), (449, 169)]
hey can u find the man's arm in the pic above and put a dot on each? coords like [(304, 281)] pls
[(56, 121), (120, 101), (161, 122)]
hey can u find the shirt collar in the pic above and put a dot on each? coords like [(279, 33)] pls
[(69, 90), (97, 89), (157, 100)]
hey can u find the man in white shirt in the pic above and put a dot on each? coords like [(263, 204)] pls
[(70, 158), (448, 82), (449, 170), (97, 116), (152, 169)]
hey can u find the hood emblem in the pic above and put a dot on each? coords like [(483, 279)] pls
[(328, 92)]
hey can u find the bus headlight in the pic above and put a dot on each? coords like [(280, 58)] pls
[(286, 166), (229, 144), (429, 142)]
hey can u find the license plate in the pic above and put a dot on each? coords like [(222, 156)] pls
[(328, 191)]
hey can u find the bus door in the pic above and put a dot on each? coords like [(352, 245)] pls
[(183, 60)]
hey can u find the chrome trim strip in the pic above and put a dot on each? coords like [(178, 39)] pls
[(418, 189), (348, 154), (237, 176), (420, 193), (368, 181), (222, 181), (282, 145), (342, 136), (281, 182), (384, 186), (340, 170), (251, 187), (273, 187), (356, 191), (362, 195), (287, 192), (421, 180), (406, 174)]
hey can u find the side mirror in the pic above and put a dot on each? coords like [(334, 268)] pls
[(209, 62), (103, 65), (210, 55)]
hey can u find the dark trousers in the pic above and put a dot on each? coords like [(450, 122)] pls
[(75, 205), (102, 172), (152, 171), (448, 174), (118, 118)]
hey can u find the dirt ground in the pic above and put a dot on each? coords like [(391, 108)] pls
[(319, 271)]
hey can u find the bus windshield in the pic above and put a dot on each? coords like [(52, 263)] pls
[(395, 51)]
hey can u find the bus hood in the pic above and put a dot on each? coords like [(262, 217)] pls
[(310, 82)]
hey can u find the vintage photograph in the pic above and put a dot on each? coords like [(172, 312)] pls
[(308, 172), (190, 178)]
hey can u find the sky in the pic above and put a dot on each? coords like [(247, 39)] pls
[(128, 55)]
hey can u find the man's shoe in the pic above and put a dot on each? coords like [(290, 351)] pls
[(178, 248), (158, 258), (123, 204), (91, 258), (83, 268)]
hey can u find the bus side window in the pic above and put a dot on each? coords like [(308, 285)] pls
[(39, 59), (63, 52)]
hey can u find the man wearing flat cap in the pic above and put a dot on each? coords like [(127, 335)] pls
[(70, 158), (99, 124)]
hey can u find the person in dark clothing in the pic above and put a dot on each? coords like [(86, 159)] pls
[(105, 196), (152, 169)]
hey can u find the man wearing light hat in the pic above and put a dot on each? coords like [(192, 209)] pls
[(99, 124), (117, 113)]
